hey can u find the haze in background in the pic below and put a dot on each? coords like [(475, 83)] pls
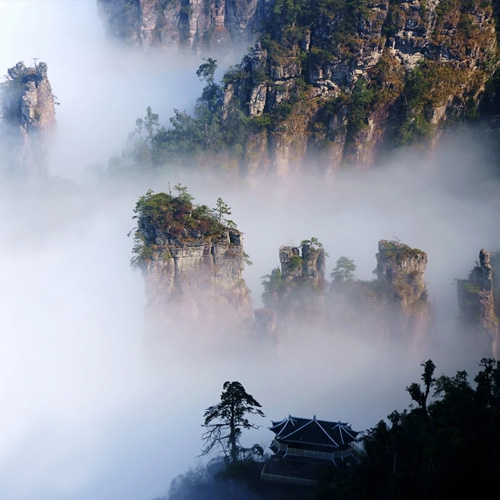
[(88, 413)]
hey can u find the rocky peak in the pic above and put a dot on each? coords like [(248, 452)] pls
[(479, 302), (306, 264), (192, 262), (296, 290), (28, 117), (393, 306), (402, 269)]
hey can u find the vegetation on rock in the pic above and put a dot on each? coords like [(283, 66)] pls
[(337, 77), (165, 218)]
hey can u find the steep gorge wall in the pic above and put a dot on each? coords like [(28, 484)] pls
[(190, 24), (347, 80)]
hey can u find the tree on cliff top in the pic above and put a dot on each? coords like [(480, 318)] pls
[(175, 217), (225, 420), (344, 270)]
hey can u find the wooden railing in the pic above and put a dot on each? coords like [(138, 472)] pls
[(296, 452)]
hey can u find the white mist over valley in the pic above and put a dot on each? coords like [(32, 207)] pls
[(88, 412)]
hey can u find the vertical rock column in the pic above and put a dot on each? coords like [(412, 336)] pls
[(402, 290), (28, 117), (476, 302)]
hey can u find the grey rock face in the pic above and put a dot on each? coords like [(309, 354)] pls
[(478, 304), (197, 281), (297, 293), (28, 117), (394, 306), (191, 24)]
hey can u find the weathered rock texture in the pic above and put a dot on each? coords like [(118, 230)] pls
[(394, 306), (192, 268), (479, 304), (296, 291), (28, 117), (192, 24), (402, 289), (347, 80)]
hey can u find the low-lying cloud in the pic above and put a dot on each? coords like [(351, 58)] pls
[(88, 411)]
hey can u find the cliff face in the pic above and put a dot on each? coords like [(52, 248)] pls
[(479, 305), (192, 24), (347, 79), (394, 305), (192, 264), (28, 117), (296, 290), (402, 290)]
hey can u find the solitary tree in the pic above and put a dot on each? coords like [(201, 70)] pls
[(225, 420), (344, 270)]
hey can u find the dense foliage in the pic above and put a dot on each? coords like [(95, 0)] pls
[(204, 138), (438, 448), (163, 218)]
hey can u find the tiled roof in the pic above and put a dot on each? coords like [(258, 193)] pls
[(313, 432)]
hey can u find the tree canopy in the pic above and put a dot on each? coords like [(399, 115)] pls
[(439, 447), (344, 270)]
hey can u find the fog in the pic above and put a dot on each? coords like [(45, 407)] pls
[(87, 412)]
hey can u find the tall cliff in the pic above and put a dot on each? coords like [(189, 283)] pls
[(295, 291), (191, 24), (347, 80), (394, 305), (401, 288), (479, 304), (27, 118), (192, 261)]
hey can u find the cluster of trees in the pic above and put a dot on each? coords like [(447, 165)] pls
[(273, 283), (446, 444), (439, 448), (175, 216), (203, 135)]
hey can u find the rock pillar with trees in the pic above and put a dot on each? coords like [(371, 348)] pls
[(27, 118), (295, 291), (479, 305), (192, 259)]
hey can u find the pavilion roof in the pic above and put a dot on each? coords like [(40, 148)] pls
[(313, 432)]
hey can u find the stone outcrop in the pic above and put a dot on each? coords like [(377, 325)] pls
[(191, 24), (402, 290), (394, 306), (347, 81), (28, 117), (192, 265), (296, 290), (479, 305)]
